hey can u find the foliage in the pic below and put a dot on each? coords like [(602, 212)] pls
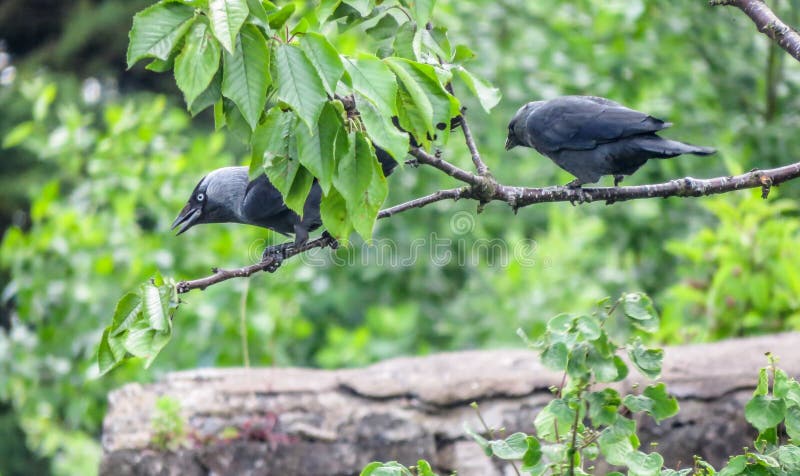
[(583, 422), (169, 431)]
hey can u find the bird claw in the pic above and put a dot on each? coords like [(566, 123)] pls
[(583, 197), (277, 253), (333, 243)]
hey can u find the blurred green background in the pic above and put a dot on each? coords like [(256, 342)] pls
[(97, 161)]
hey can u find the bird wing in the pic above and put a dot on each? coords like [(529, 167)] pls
[(583, 122), (263, 203)]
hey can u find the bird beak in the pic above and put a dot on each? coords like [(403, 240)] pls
[(188, 217), (510, 143)]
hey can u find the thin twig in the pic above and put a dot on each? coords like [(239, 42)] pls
[(480, 166), (768, 23), (445, 166), (450, 194)]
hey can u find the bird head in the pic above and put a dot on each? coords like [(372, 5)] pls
[(217, 198), (516, 128)]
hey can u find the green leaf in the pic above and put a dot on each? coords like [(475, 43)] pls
[(325, 59), (156, 31), (406, 42), (641, 464), (763, 382), (334, 215), (209, 97), (487, 95), (604, 367), (270, 139), (227, 18), (370, 77), (618, 441), (18, 134), (155, 307), (197, 64), (789, 458), (463, 54), (325, 9), (106, 360), (647, 361), (514, 447), (381, 130), (386, 28), (161, 66), (555, 356), (764, 411), (603, 406), (532, 455), (364, 210), (298, 192), (246, 74), (318, 153), (298, 84), (638, 307), (126, 312), (258, 15), (555, 417), (421, 10), (363, 7), (424, 468), (279, 18), (792, 423), (281, 172), (654, 400), (482, 442), (436, 106), (354, 171)]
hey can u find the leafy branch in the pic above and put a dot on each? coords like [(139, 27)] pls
[(768, 23)]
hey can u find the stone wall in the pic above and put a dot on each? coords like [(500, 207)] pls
[(291, 421)]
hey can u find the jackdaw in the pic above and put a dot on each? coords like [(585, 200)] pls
[(592, 136), (227, 195)]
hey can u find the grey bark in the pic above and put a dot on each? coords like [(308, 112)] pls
[(291, 421)]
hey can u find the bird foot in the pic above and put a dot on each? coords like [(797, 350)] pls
[(333, 243), (574, 184), (582, 197), (277, 253), (618, 180)]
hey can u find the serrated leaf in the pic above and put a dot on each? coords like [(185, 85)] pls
[(269, 140), (246, 74), (488, 96), (532, 455), (318, 153), (197, 63), (364, 212), (258, 15), (325, 59), (381, 130), (298, 84), (227, 18), (421, 10), (354, 170), (161, 66), (371, 78), (298, 192), (209, 97), (334, 215), (792, 422), (386, 27), (126, 312), (281, 172), (155, 307), (326, 8), (106, 359), (156, 31), (407, 42), (638, 307), (764, 411), (555, 356), (424, 468)]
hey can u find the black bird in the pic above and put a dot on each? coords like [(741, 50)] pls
[(227, 195), (591, 136)]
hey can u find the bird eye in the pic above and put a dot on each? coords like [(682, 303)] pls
[(200, 197)]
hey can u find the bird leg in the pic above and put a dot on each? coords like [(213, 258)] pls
[(618, 179), (277, 253), (333, 243), (582, 195)]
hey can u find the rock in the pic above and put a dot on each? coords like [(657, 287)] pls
[(310, 422)]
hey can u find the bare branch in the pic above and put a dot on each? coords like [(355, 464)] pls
[(451, 194), (480, 166), (445, 166), (768, 23)]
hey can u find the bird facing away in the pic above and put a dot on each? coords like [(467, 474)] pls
[(227, 195), (591, 136)]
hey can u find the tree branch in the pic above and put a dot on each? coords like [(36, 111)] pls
[(445, 166), (768, 23), (480, 166)]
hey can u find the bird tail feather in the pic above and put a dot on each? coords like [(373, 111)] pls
[(666, 148)]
